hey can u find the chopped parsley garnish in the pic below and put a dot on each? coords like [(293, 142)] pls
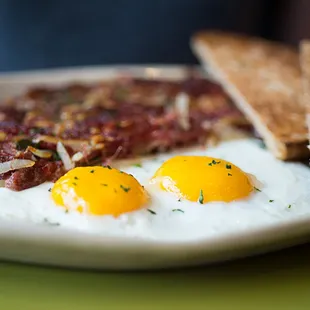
[(76, 178), (23, 144), (271, 200), (200, 199), (67, 211), (289, 206), (213, 162), (92, 171), (34, 130), (55, 156), (228, 166), (229, 174), (177, 210), (103, 184), (45, 220), (257, 189), (75, 184), (109, 167), (138, 165), (49, 189), (179, 200), (125, 189), (151, 211)]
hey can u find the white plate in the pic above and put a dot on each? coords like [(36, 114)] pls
[(56, 246)]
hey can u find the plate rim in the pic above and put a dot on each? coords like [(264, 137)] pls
[(294, 231), (57, 70)]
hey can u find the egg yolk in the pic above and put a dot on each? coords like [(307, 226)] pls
[(203, 179), (99, 191)]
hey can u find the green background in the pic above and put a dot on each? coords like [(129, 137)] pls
[(278, 280)]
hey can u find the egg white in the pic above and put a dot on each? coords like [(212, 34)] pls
[(284, 196)]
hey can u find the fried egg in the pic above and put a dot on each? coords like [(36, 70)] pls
[(185, 195), (203, 179), (99, 191)]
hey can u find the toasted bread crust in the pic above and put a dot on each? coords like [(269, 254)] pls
[(305, 69), (264, 79)]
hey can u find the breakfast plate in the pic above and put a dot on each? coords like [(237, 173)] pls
[(282, 220)]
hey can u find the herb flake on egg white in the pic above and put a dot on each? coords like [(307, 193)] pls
[(201, 198), (177, 210), (138, 165), (151, 211), (46, 221)]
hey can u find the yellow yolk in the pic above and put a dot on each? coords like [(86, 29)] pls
[(203, 179), (99, 191)]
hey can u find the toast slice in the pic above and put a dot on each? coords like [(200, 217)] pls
[(264, 80), (305, 69)]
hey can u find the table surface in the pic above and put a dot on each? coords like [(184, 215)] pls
[(278, 280)]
